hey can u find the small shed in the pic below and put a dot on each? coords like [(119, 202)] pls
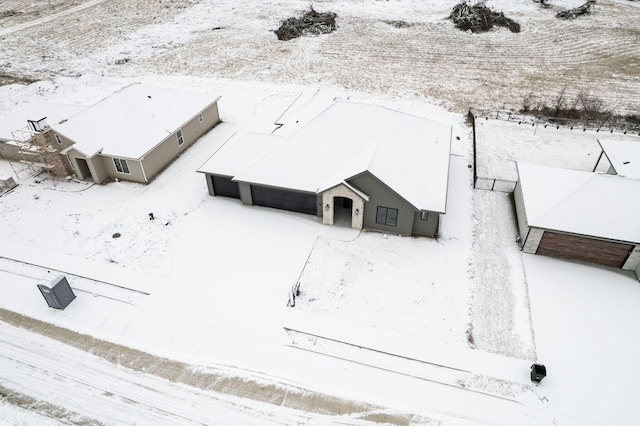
[(583, 216)]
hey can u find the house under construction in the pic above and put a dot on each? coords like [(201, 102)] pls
[(27, 141), (37, 152), (131, 135)]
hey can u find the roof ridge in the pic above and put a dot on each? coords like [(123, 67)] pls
[(568, 196)]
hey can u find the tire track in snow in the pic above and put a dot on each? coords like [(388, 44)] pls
[(73, 381), (42, 409), (48, 18), (133, 381)]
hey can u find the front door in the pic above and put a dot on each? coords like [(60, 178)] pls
[(342, 211), (83, 169)]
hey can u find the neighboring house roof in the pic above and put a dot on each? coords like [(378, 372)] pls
[(55, 113), (132, 121), (578, 202), (239, 153), (409, 154), (624, 156)]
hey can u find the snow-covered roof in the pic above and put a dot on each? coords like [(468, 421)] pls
[(239, 153), (132, 121), (54, 113), (624, 156), (593, 204), (409, 154)]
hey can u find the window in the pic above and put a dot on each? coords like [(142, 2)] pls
[(180, 138), (424, 215), (387, 216), (121, 165), (200, 117), (58, 138)]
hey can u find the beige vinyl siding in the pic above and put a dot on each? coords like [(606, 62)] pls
[(66, 143), (101, 168), (109, 168), (167, 150), (9, 150)]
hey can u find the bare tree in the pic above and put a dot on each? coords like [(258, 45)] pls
[(591, 106), (560, 101)]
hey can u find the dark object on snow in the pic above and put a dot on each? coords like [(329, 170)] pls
[(398, 24), (585, 9), (311, 23), (151, 217), (479, 18), (9, 13), (538, 372), (59, 295), (544, 3), (7, 184)]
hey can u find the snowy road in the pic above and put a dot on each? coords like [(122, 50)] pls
[(73, 386)]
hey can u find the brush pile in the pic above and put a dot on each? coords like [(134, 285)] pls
[(479, 18), (311, 23), (585, 9)]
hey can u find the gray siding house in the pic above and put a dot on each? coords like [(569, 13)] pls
[(134, 133), (577, 215), (364, 165)]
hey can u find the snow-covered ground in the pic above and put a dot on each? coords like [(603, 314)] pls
[(428, 59), (544, 144), (207, 282)]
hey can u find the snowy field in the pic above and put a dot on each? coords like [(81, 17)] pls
[(428, 59), (203, 288)]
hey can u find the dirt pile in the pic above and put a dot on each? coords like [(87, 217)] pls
[(311, 23), (479, 18)]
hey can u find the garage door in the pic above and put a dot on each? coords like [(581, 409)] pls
[(300, 202), (586, 249), (225, 186)]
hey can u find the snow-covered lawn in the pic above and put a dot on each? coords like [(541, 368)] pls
[(414, 286)]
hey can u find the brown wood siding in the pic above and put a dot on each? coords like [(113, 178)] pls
[(585, 249)]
